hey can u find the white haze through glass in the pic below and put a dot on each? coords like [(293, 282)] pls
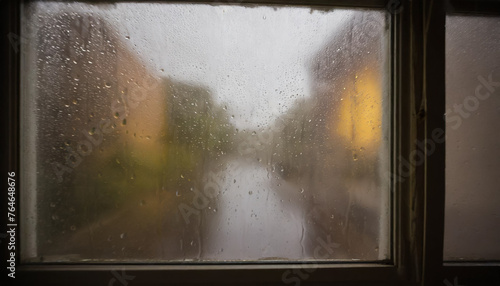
[(472, 224)]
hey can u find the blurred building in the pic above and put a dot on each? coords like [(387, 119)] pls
[(116, 144), (336, 142)]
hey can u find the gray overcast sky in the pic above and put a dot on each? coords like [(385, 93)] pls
[(254, 60)]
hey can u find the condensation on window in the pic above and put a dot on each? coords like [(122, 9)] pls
[(193, 132), (472, 221)]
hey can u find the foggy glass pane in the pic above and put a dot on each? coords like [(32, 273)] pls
[(472, 225), (193, 132)]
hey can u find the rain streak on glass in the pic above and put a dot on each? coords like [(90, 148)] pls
[(193, 132)]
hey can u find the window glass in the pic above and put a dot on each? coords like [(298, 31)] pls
[(472, 224), (193, 132)]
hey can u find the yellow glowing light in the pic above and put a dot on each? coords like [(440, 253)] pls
[(360, 114)]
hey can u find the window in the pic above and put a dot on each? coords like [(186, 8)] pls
[(127, 127), (472, 218), (196, 132)]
